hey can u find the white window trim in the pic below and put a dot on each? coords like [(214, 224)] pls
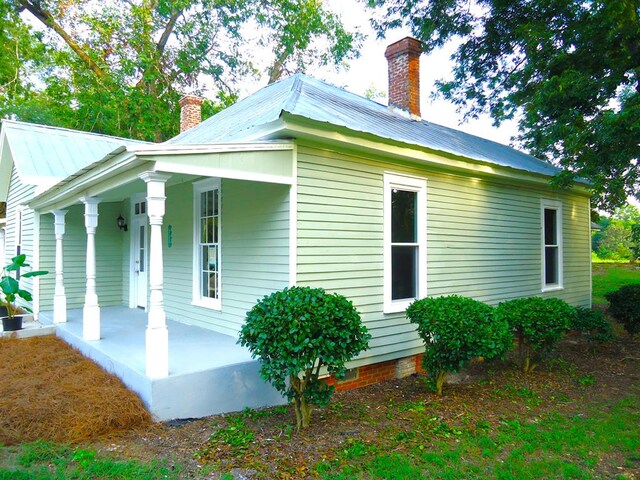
[(556, 205), (412, 184), (198, 300)]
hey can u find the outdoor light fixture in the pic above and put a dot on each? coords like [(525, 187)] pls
[(122, 225)]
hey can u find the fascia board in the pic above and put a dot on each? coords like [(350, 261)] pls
[(6, 164), (172, 149), (301, 127)]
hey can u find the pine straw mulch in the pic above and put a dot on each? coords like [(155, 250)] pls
[(49, 391)]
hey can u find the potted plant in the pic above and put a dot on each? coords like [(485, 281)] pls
[(11, 290)]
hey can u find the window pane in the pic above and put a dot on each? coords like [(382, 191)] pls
[(215, 202), (210, 203), (204, 258), (143, 207), (141, 248), (203, 231), (213, 259), (215, 230), (551, 265), (550, 233), (205, 284), (213, 285), (210, 237), (404, 271), (137, 209), (403, 216)]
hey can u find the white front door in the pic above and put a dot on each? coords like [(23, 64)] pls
[(139, 257)]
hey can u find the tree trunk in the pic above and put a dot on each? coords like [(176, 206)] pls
[(303, 412), (440, 382)]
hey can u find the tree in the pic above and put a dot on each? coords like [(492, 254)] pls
[(568, 70), (296, 333), (120, 68)]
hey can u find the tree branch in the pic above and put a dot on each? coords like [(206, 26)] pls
[(47, 19)]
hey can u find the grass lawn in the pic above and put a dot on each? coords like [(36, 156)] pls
[(609, 277)]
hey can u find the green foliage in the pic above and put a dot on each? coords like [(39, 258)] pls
[(10, 287), (624, 305), (121, 69), (456, 330), (538, 322), (566, 69), (51, 461), (592, 323), (297, 331)]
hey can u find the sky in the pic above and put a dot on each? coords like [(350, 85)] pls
[(370, 71)]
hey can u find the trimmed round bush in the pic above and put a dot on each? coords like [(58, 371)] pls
[(456, 330), (538, 324), (624, 306), (592, 324), (297, 331)]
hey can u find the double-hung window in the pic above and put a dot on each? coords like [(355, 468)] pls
[(405, 241), (206, 264), (551, 220)]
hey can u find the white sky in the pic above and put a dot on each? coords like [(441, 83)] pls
[(370, 70)]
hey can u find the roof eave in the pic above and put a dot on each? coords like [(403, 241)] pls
[(303, 127)]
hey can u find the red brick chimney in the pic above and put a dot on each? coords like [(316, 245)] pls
[(404, 75), (190, 112)]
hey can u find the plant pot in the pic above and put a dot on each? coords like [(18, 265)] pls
[(12, 324), (3, 311)]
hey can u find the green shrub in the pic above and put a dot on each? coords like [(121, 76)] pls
[(624, 306), (538, 324), (456, 330), (296, 332), (592, 324)]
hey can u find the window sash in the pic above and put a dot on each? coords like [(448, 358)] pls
[(207, 245), (551, 217), (404, 241)]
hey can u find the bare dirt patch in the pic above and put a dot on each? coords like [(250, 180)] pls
[(49, 391)]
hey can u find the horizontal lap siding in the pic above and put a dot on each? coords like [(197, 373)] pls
[(109, 257), (19, 194), (255, 251), (483, 239)]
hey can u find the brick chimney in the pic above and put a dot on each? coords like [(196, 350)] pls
[(404, 75), (190, 112)]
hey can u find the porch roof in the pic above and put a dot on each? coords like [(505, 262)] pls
[(265, 161)]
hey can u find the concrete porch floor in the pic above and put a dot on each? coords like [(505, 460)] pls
[(208, 372)]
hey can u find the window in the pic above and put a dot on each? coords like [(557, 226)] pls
[(551, 245), (405, 245), (207, 244)]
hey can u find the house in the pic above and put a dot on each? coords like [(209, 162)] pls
[(300, 183)]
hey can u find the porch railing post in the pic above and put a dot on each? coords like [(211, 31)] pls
[(59, 296), (91, 310), (157, 334)]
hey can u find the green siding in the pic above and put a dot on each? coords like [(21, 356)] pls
[(19, 194), (483, 239), (109, 257), (255, 251)]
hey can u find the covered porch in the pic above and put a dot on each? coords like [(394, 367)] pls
[(146, 301), (208, 371)]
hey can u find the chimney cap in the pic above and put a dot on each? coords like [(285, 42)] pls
[(190, 100), (407, 45)]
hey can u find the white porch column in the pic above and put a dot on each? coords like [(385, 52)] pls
[(157, 335), (59, 297), (91, 311)]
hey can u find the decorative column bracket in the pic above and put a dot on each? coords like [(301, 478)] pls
[(157, 334), (91, 310), (59, 296)]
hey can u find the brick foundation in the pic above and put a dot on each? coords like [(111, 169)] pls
[(377, 372)]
